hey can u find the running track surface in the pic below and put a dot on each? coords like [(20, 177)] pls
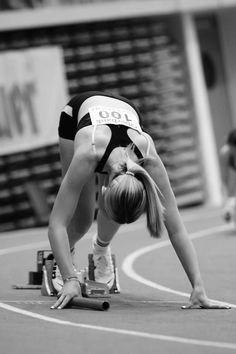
[(147, 316)]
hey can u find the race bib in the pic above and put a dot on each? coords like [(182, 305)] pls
[(113, 115)]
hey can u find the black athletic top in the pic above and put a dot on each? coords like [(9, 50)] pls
[(69, 126), (119, 137)]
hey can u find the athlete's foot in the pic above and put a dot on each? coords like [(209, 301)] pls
[(104, 268), (57, 280)]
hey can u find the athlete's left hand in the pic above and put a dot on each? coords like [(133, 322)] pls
[(199, 300)]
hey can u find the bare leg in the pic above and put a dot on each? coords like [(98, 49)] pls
[(102, 256), (66, 154), (106, 228)]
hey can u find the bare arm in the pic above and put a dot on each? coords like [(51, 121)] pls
[(179, 237), (63, 210), (66, 201), (175, 227)]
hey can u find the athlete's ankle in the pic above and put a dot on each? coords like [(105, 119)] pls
[(100, 246)]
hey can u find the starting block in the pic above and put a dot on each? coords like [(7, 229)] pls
[(115, 289), (91, 288), (42, 278), (35, 278)]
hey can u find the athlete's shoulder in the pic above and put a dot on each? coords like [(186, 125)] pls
[(82, 96)]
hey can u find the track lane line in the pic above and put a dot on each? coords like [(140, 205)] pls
[(118, 331), (26, 247), (128, 263)]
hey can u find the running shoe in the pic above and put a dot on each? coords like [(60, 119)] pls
[(57, 280), (103, 268)]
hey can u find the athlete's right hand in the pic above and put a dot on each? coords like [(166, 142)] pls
[(70, 289)]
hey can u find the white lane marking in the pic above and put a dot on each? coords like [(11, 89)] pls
[(28, 246), (119, 331), (35, 302), (202, 214), (42, 244), (127, 265), (24, 233), (188, 217), (110, 329)]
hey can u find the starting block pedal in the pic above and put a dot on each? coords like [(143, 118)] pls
[(35, 278), (91, 288), (94, 289), (115, 289), (42, 278)]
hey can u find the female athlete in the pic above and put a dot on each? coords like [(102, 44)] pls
[(101, 135)]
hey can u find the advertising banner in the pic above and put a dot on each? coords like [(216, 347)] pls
[(32, 94)]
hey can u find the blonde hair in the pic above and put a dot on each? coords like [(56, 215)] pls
[(131, 193)]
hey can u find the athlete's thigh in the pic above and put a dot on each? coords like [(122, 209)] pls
[(101, 181), (106, 227), (66, 153)]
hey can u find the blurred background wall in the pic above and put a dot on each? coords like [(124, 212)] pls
[(174, 59)]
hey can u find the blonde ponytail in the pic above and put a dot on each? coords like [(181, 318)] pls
[(154, 207), (133, 192)]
